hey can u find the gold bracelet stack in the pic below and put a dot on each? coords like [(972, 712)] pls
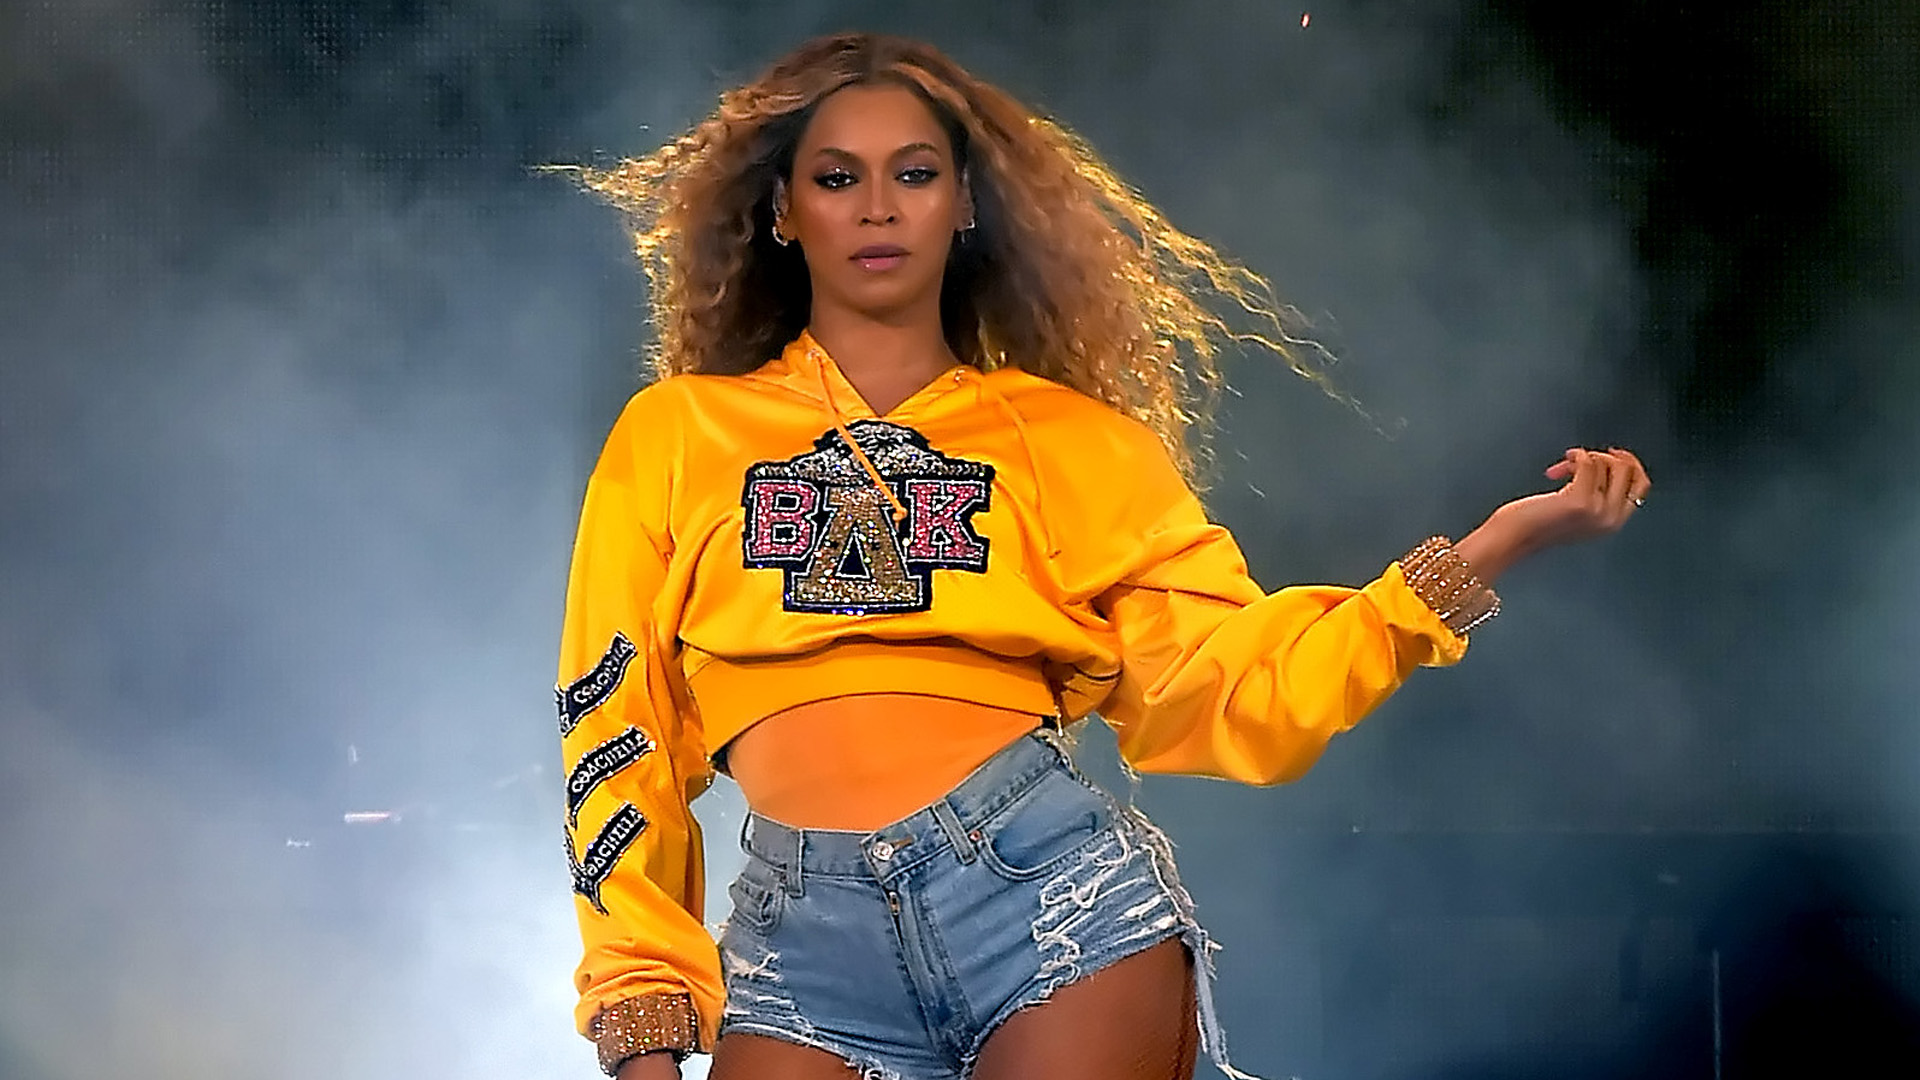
[(641, 1025), (1440, 577)]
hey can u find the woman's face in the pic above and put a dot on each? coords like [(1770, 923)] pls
[(874, 201)]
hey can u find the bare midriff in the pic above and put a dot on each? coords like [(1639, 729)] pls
[(866, 760)]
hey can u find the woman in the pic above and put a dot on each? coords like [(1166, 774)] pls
[(910, 495)]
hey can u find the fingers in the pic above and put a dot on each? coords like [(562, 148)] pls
[(1640, 483), (1611, 484), (1620, 478), (1589, 474), (1605, 476), (1600, 485), (1600, 490)]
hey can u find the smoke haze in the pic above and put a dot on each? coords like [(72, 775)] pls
[(302, 367)]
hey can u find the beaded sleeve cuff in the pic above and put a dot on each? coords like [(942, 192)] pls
[(1439, 576), (642, 1024)]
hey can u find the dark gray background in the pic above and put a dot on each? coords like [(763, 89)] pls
[(302, 368)]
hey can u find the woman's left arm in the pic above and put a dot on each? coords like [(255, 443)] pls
[(1219, 678)]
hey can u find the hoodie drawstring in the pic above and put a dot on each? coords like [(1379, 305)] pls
[(1026, 447), (988, 392), (840, 425)]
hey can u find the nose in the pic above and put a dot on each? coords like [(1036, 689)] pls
[(880, 209)]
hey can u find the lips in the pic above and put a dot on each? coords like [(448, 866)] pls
[(880, 256)]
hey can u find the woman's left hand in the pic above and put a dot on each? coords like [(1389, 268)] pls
[(1600, 491)]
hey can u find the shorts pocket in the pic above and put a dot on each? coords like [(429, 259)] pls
[(757, 896), (1053, 821)]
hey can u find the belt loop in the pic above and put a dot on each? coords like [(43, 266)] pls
[(950, 824), (1052, 736), (790, 872), (778, 846)]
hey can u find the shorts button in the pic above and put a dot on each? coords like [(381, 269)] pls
[(882, 850)]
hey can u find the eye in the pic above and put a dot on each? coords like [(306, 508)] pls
[(834, 179), (918, 175)]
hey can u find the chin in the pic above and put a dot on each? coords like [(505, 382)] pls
[(888, 303)]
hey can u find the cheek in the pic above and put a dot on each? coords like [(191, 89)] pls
[(809, 215), (938, 215)]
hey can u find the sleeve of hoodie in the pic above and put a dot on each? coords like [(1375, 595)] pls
[(634, 757), (1221, 678)]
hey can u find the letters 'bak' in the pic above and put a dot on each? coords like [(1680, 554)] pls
[(820, 520)]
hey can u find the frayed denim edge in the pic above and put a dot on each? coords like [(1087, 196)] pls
[(869, 1068), (1200, 944)]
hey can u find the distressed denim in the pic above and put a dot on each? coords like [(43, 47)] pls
[(902, 949)]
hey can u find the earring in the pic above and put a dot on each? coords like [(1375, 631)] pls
[(778, 236)]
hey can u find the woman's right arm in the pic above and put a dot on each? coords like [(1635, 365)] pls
[(649, 977)]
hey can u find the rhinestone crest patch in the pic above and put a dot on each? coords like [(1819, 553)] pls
[(820, 520)]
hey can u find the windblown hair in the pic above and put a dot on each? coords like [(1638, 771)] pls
[(1069, 274)]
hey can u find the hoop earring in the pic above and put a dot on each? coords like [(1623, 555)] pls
[(778, 236)]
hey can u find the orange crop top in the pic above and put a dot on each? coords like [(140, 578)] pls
[(749, 543), (859, 762)]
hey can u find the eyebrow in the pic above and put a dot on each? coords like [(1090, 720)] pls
[(848, 155)]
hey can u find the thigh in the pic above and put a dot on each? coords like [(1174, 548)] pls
[(740, 1056), (1132, 1020)]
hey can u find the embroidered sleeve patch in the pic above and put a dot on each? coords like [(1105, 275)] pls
[(590, 691), (819, 520), (601, 762), (592, 869)]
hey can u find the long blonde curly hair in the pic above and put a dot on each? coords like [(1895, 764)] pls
[(1070, 273)]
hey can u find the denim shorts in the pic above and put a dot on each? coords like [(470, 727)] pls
[(900, 950)]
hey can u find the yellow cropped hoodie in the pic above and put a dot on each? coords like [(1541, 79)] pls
[(753, 542)]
